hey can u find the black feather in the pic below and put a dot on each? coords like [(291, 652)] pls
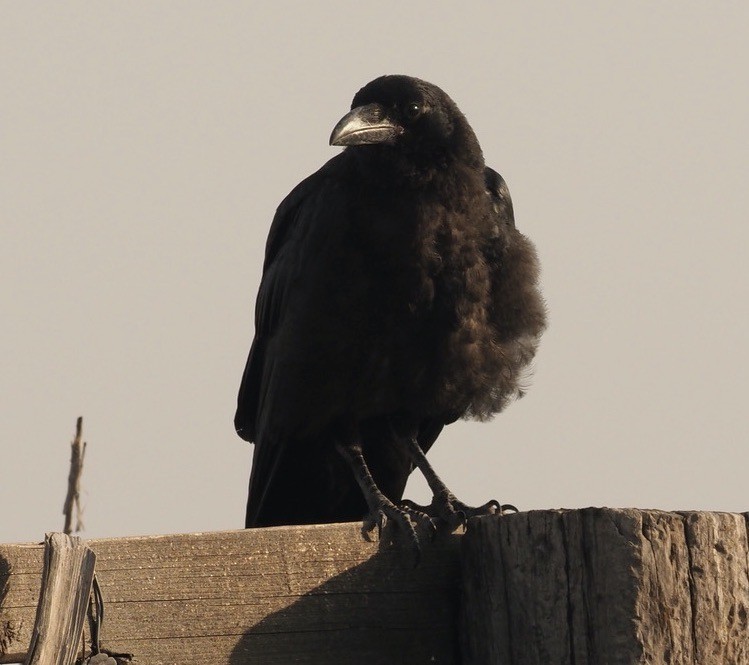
[(395, 289)]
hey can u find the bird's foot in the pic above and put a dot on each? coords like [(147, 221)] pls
[(381, 509), (420, 516), (385, 511), (452, 513)]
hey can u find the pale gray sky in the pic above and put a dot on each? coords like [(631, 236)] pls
[(145, 145)]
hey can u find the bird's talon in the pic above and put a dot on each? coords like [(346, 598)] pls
[(419, 514), (431, 527), (375, 520), (367, 533), (409, 505), (367, 528)]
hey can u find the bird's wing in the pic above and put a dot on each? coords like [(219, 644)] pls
[(497, 189), (272, 301), (271, 298)]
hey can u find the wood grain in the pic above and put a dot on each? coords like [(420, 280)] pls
[(606, 586)]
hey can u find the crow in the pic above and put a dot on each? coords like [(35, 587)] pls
[(397, 296)]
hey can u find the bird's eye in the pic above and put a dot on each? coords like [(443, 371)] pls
[(412, 110)]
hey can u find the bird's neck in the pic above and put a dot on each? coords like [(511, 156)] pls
[(388, 169)]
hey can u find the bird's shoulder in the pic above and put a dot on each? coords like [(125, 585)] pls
[(288, 212)]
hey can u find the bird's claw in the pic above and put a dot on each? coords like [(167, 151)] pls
[(492, 507), (419, 514), (381, 514), (451, 513), (374, 520)]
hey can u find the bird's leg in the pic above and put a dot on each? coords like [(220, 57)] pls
[(444, 504), (380, 507)]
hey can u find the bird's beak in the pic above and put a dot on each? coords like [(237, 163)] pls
[(363, 125)]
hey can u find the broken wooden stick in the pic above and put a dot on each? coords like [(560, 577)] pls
[(66, 586), (73, 498)]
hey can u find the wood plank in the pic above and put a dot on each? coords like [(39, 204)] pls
[(312, 594)]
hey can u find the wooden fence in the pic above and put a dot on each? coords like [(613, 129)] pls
[(593, 586)]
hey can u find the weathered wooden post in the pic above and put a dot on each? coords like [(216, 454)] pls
[(602, 586), (66, 586)]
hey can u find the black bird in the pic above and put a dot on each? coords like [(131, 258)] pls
[(397, 296)]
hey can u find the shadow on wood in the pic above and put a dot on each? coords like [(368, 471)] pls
[(383, 611)]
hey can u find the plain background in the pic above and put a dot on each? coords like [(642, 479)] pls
[(144, 147)]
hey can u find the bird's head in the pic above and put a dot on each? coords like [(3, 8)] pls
[(410, 118)]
